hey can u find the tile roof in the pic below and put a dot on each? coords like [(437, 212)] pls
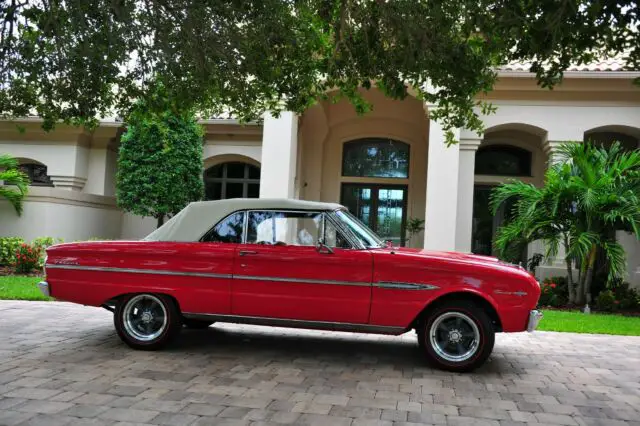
[(605, 64)]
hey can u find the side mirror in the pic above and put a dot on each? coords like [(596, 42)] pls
[(321, 247)]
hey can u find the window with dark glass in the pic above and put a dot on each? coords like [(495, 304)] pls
[(37, 174), (232, 180), (375, 157), (229, 230), (503, 160)]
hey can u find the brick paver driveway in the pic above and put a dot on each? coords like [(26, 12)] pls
[(63, 364)]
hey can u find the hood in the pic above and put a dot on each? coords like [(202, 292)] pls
[(455, 257)]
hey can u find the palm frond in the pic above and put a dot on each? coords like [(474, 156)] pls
[(616, 259), (15, 184)]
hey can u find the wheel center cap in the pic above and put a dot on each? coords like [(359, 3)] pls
[(146, 316), (455, 336)]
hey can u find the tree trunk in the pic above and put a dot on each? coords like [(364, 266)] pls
[(579, 294), (586, 277), (570, 284), (160, 220), (587, 287), (589, 273)]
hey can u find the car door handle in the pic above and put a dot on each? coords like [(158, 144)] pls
[(247, 252)]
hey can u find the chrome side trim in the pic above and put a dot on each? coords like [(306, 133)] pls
[(292, 323), (300, 280), (382, 284), (405, 286), (138, 271), (512, 293)]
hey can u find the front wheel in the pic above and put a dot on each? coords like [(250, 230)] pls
[(147, 321), (457, 336)]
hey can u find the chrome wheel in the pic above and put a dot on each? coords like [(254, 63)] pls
[(454, 336), (145, 317)]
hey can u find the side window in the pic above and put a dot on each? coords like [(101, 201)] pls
[(284, 228), (229, 230), (333, 237)]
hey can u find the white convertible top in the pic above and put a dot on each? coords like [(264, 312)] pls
[(197, 218)]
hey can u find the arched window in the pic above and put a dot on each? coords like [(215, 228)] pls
[(376, 157), (37, 174), (232, 180), (503, 160)]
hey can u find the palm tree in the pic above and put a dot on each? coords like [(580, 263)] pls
[(536, 216), (14, 183), (588, 195), (603, 186)]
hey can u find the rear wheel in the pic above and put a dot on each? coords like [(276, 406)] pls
[(457, 336), (147, 321), (196, 324)]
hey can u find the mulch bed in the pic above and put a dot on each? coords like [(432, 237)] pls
[(593, 310), (8, 270)]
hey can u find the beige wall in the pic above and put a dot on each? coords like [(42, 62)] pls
[(327, 126), (136, 227), (60, 213)]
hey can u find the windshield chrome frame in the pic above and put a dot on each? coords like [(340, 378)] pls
[(357, 243)]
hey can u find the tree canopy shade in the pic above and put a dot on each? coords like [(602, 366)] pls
[(76, 60)]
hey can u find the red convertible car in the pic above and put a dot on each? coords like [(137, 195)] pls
[(294, 263)]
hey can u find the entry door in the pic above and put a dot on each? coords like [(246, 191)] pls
[(280, 273), (485, 224), (382, 207)]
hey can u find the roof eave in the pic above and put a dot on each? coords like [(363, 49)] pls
[(628, 75)]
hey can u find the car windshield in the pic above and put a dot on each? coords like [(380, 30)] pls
[(366, 236)]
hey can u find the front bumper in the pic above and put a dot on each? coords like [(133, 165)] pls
[(534, 318), (44, 288)]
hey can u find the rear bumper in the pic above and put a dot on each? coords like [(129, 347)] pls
[(44, 288), (534, 318)]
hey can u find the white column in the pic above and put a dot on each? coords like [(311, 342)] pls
[(279, 156), (555, 266), (97, 172), (466, 174), (442, 191)]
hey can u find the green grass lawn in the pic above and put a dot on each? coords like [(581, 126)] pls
[(20, 288), (577, 322)]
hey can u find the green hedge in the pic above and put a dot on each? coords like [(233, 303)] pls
[(8, 247)]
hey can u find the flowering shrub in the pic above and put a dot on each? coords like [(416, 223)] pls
[(41, 245), (27, 258), (553, 292)]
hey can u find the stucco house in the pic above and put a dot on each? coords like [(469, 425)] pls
[(387, 166)]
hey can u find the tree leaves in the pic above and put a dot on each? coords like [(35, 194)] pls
[(79, 60)]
